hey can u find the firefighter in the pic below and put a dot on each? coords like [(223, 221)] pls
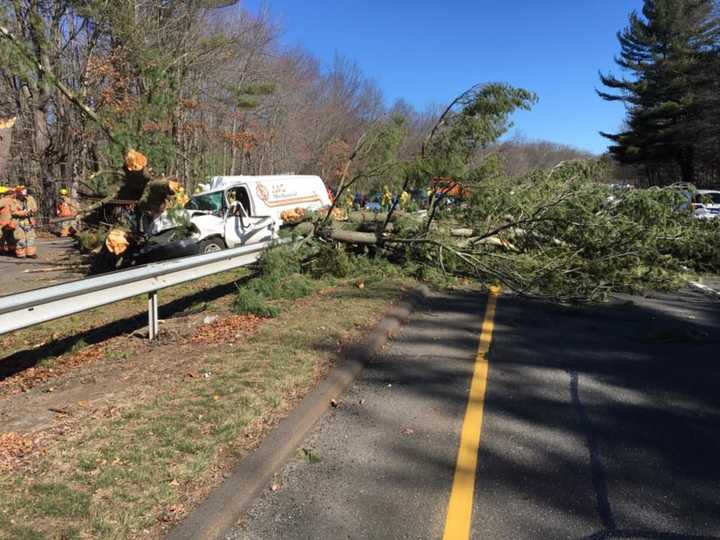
[(7, 242), (23, 210), (66, 209)]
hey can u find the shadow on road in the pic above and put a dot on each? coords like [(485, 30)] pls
[(600, 421)]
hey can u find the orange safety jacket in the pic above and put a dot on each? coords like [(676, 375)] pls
[(65, 209), (6, 218)]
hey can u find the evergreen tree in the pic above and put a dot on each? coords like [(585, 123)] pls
[(667, 51)]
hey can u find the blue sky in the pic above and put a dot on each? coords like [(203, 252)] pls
[(428, 52)]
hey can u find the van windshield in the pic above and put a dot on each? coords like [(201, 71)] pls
[(712, 198), (207, 202)]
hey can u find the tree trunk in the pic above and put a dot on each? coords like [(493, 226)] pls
[(352, 237), (233, 154), (41, 144), (686, 161), (6, 126)]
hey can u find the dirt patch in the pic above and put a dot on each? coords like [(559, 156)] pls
[(124, 368)]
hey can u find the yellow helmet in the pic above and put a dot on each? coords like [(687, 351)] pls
[(4, 189), (64, 191)]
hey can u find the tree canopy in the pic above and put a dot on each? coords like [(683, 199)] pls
[(670, 54)]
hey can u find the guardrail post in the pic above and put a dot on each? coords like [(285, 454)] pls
[(153, 325), (23, 310)]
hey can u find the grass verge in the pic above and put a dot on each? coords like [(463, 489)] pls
[(130, 473)]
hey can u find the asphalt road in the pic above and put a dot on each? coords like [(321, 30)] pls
[(51, 267), (599, 423)]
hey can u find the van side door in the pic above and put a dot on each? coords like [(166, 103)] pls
[(242, 226)]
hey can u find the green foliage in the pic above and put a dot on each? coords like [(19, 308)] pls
[(671, 56), (246, 95), (378, 164), (332, 260), (100, 184), (245, 102), (564, 235), (257, 89), (280, 262), (279, 278), (78, 346), (475, 119), (91, 239), (375, 268), (408, 225), (251, 302), (276, 287)]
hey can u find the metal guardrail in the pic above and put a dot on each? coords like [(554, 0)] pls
[(41, 305)]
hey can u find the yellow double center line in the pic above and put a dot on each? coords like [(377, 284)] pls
[(457, 522)]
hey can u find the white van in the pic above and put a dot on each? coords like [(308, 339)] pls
[(706, 204), (241, 210)]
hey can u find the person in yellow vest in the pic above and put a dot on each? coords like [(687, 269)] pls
[(23, 210), (67, 209), (7, 241)]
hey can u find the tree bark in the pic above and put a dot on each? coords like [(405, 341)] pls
[(6, 126), (687, 164), (352, 237)]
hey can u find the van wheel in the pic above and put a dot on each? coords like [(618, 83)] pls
[(211, 245)]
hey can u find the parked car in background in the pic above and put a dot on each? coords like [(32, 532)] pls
[(706, 204), (374, 202)]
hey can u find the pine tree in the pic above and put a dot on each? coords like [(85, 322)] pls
[(667, 52)]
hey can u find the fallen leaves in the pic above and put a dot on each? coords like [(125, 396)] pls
[(226, 329), (15, 449), (34, 376), (172, 513), (220, 330)]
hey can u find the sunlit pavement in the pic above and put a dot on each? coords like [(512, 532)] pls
[(50, 267), (599, 422)]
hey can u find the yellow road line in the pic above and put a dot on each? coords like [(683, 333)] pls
[(457, 522)]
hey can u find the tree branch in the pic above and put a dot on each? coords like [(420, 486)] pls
[(64, 90)]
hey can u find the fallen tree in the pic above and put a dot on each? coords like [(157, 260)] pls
[(558, 234)]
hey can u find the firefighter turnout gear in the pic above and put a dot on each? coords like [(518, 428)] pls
[(7, 239), (67, 210), (23, 210)]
